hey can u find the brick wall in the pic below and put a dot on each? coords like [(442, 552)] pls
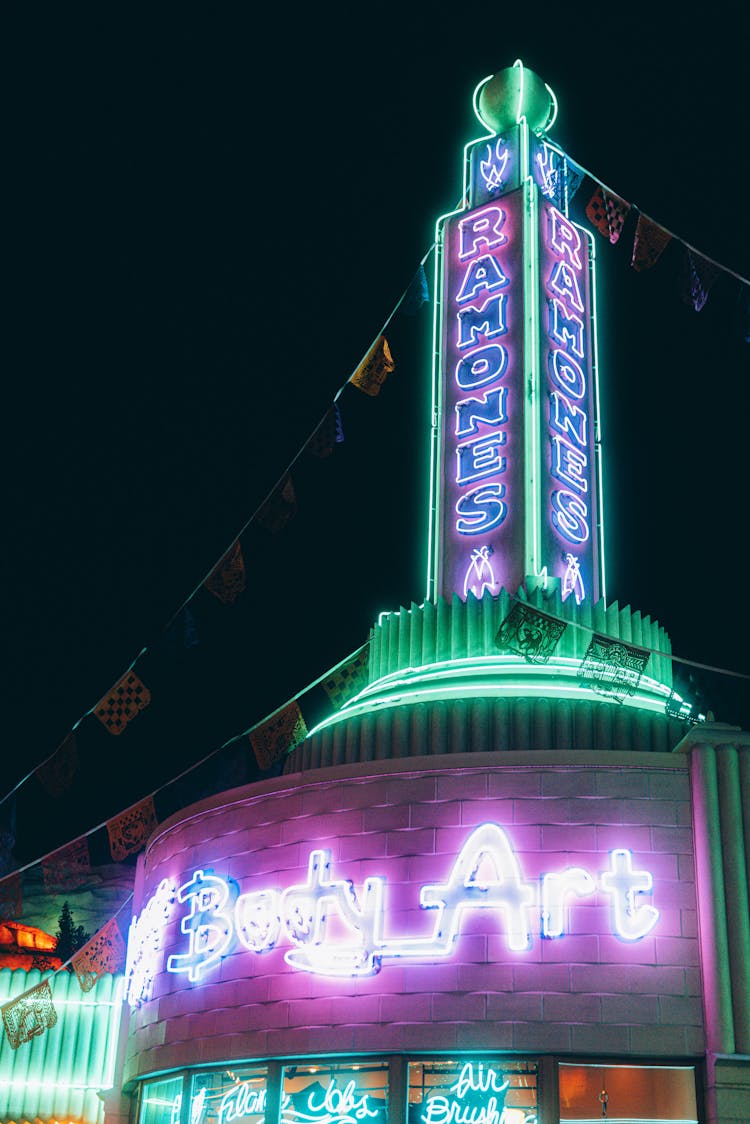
[(587, 992)]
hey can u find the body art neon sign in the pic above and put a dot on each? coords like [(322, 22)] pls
[(337, 931), (144, 944)]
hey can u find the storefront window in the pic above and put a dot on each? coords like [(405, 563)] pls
[(230, 1094), (641, 1094), (335, 1094), (161, 1102), (463, 1092)]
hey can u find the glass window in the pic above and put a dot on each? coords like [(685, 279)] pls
[(161, 1100), (335, 1094), (642, 1094), (229, 1094), (490, 1091)]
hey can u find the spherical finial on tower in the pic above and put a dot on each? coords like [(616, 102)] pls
[(515, 92)]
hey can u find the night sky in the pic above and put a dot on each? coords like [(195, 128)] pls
[(211, 219)]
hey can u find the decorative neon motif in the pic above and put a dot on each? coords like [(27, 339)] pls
[(337, 932), (478, 1098), (494, 167), (479, 573), (548, 170), (573, 580), (144, 944), (332, 1105)]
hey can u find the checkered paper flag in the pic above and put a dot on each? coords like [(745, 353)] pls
[(121, 705), (607, 212)]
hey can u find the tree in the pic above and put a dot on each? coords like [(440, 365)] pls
[(70, 937)]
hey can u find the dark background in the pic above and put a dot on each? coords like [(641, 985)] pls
[(210, 217)]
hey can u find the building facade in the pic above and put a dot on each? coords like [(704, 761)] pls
[(506, 882)]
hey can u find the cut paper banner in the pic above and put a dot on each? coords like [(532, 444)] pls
[(123, 703), (227, 579), (129, 831), (649, 242), (277, 736), (374, 368)]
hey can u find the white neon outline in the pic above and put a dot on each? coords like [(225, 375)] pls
[(496, 408), (519, 111), (480, 283), (572, 295), (553, 371), (566, 426), (486, 445), (561, 334), (556, 888), (557, 220), (630, 921), (142, 962), (478, 563), (492, 170), (483, 379), (475, 106), (575, 457), (479, 238), (203, 905), (495, 489), (548, 124)]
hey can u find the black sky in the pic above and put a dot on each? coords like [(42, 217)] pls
[(212, 215)]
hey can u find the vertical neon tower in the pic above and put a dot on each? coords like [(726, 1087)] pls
[(515, 462)]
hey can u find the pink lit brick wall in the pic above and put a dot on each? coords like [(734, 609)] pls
[(586, 992)]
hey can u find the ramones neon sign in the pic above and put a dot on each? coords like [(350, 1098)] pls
[(337, 931)]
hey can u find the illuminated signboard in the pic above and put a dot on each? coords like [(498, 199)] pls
[(515, 472), (483, 413), (567, 439), (472, 1093), (335, 930)]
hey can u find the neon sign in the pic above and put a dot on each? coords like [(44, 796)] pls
[(332, 1105), (515, 459), (335, 930), (478, 1097), (570, 513), (482, 423), (144, 944)]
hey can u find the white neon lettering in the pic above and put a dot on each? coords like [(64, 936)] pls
[(566, 328), (482, 366), (481, 229), (564, 238), (441, 1109), (489, 410), (489, 321), (480, 458), (555, 889), (337, 932), (482, 273), (208, 926), (241, 1100), (570, 516), (630, 921), (567, 374), (568, 419), (144, 944), (569, 464), (481, 509), (564, 284)]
